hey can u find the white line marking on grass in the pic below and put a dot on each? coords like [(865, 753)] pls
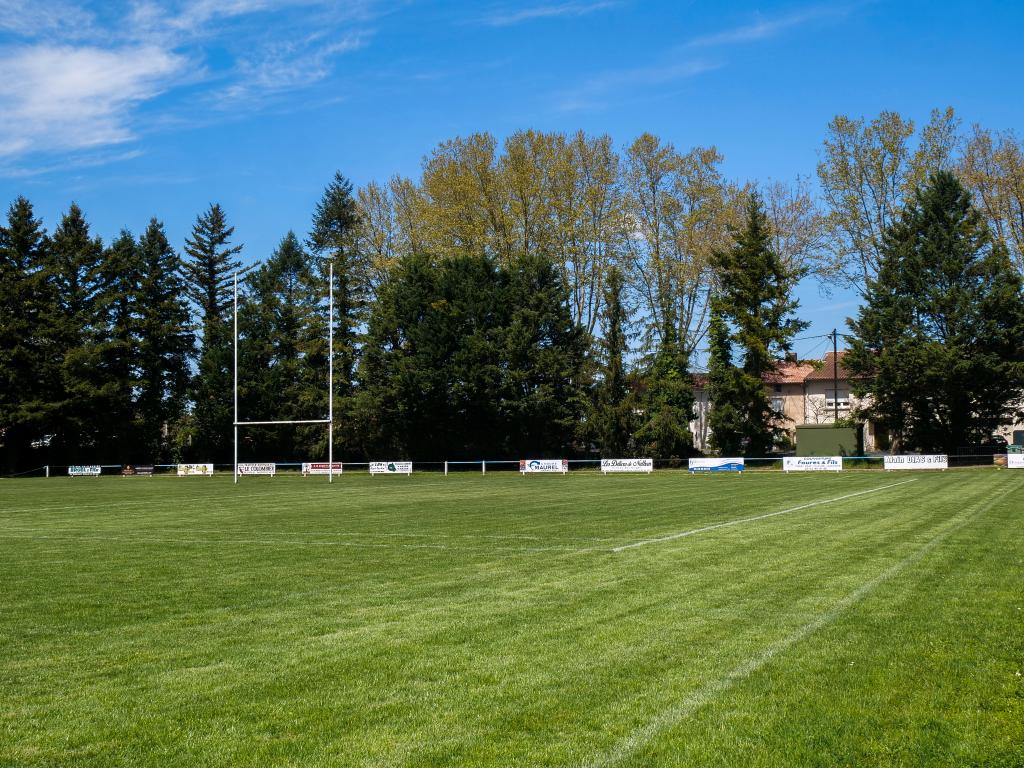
[(712, 689), (706, 528)]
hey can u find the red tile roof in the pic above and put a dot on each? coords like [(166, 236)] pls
[(825, 373), (788, 372)]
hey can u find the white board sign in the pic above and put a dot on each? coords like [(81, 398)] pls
[(812, 463), (917, 461), (186, 470), (390, 467), (84, 470), (716, 465), (257, 469), (321, 468), (627, 465), (1015, 461), (529, 466)]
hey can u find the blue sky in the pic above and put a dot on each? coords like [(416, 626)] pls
[(140, 109)]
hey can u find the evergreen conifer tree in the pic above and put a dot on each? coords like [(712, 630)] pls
[(667, 399), (937, 344), (29, 378), (333, 238), (74, 270), (283, 350), (613, 411), (119, 305), (165, 342), (209, 271), (754, 308)]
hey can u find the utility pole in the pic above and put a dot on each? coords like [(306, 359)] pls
[(835, 375)]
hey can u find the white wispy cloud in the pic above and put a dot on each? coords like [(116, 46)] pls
[(67, 98), (687, 60), (766, 28), (77, 79), (596, 92), (32, 18), (285, 66), (507, 18)]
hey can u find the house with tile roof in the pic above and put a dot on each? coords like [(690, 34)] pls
[(803, 391)]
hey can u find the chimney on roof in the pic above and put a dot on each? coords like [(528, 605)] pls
[(791, 357)]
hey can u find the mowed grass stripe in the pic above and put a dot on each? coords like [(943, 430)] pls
[(713, 688), (923, 669), (765, 516), (445, 658)]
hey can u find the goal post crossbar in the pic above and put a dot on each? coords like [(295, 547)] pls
[(329, 421), (291, 421)]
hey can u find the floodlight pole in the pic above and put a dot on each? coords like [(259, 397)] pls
[(235, 377), (330, 374)]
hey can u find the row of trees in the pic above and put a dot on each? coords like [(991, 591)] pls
[(551, 294)]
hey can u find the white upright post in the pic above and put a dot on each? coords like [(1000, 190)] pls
[(330, 374), (446, 469), (235, 378)]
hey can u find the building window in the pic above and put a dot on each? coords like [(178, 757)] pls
[(777, 404)]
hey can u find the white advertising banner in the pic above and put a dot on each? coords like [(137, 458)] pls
[(1015, 461), (716, 465), (321, 468), (390, 467), (528, 466), (257, 469), (812, 463), (188, 470), (627, 465), (917, 461), (84, 470)]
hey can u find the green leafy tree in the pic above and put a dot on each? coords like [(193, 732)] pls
[(754, 310), (937, 344), (28, 361), (613, 420), (209, 271)]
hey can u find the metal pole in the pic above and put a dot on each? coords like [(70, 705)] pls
[(835, 374), (330, 375), (235, 377)]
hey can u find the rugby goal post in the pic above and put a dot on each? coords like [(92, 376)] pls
[(329, 421)]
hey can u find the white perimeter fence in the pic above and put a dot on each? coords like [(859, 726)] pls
[(529, 466)]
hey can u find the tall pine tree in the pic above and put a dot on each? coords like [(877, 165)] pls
[(209, 271), (74, 270), (283, 353), (754, 309), (666, 399), (119, 305), (613, 420), (165, 343), (937, 345), (28, 362), (333, 238)]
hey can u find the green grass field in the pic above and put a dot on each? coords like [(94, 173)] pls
[(498, 620)]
